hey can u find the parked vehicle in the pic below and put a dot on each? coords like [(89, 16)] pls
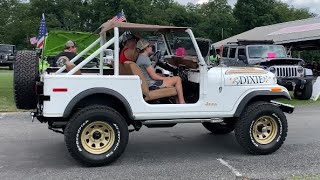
[(7, 55), (94, 110), (290, 72)]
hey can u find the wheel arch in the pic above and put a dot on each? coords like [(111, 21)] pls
[(259, 96), (103, 96)]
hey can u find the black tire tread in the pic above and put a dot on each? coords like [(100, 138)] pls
[(240, 132), (69, 126), (25, 77), (11, 66), (306, 92)]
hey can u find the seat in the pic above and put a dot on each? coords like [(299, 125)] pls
[(149, 95)]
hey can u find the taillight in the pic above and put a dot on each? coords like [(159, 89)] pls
[(60, 90)]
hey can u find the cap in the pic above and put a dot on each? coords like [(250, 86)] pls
[(142, 44), (69, 44)]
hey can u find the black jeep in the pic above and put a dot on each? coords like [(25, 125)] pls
[(7, 55), (290, 72)]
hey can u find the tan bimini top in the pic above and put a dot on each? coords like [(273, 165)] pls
[(123, 26)]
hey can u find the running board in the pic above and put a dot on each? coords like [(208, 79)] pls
[(174, 121)]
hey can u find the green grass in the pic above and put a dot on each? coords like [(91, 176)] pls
[(6, 91), (296, 102)]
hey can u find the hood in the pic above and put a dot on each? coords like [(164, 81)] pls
[(248, 76), (282, 61), (3, 54)]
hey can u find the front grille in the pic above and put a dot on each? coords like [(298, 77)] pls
[(1, 56), (287, 71)]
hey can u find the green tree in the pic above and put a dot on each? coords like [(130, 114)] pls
[(283, 12), (217, 20), (254, 13), (17, 24)]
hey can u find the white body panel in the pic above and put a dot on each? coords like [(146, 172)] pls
[(221, 89), (212, 102)]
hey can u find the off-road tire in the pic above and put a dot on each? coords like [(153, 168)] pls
[(245, 125), (11, 66), (85, 117), (305, 93), (225, 127), (26, 73)]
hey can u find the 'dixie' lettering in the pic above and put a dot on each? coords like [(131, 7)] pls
[(250, 80)]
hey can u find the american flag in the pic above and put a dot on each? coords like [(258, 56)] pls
[(42, 33), (120, 17)]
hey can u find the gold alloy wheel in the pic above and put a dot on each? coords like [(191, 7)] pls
[(264, 130), (97, 137)]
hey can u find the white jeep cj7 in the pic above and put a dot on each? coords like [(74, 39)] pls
[(95, 110)]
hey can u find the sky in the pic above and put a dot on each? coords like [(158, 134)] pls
[(313, 5)]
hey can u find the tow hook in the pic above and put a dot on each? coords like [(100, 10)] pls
[(293, 85)]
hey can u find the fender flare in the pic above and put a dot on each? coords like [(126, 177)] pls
[(262, 95), (93, 91)]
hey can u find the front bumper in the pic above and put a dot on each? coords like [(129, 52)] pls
[(5, 62), (289, 83), (284, 107)]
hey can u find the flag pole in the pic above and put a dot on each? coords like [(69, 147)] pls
[(124, 14), (44, 41), (42, 50)]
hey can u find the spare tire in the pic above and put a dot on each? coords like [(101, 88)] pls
[(26, 74)]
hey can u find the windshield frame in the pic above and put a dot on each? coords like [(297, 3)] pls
[(255, 58), (188, 40)]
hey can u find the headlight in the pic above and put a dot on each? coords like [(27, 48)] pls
[(6, 57), (272, 69), (300, 69)]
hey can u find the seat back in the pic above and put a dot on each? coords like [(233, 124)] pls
[(122, 68), (134, 69)]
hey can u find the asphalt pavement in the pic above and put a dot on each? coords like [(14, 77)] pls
[(187, 151)]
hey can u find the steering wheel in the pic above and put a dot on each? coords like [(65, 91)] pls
[(157, 57)]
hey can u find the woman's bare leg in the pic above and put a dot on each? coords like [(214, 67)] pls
[(176, 82)]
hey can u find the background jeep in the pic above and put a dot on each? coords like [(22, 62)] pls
[(7, 55), (290, 72)]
